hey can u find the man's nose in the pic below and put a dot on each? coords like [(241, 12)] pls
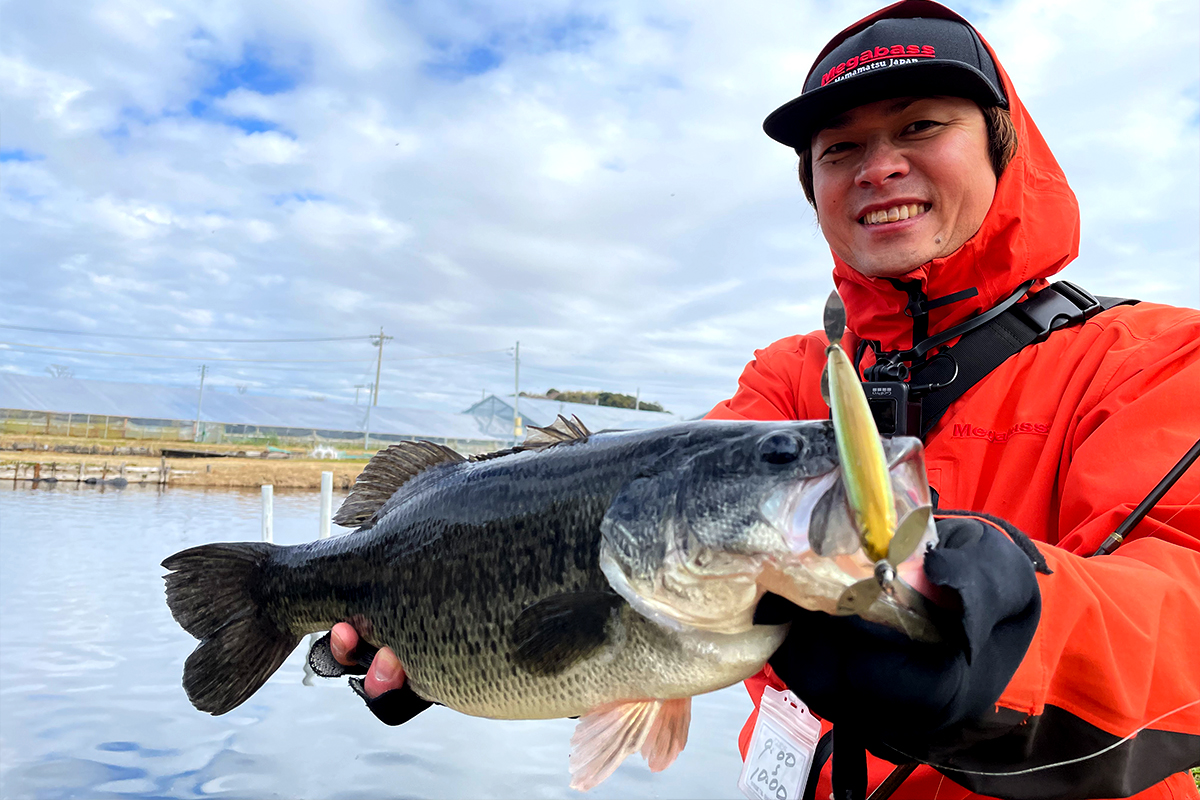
[(881, 162)]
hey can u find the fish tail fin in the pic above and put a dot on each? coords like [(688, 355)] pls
[(212, 593)]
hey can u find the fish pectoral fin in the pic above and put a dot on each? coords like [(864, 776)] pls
[(557, 632), (386, 472), (607, 735)]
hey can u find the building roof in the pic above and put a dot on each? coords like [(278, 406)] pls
[(148, 401), (496, 415)]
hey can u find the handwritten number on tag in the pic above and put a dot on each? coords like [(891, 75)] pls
[(784, 759)]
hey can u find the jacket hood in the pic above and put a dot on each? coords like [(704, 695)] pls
[(1030, 232)]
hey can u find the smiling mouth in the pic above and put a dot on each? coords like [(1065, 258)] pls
[(894, 214)]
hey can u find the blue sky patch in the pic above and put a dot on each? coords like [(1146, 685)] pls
[(254, 72), (573, 32), (457, 65), (460, 60), (297, 197), (18, 154)]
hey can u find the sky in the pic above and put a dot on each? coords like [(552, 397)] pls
[(589, 179)]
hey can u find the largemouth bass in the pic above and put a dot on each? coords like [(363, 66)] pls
[(610, 576)]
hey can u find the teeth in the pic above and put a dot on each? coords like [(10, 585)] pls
[(894, 213)]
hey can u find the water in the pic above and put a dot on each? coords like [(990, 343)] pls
[(91, 703)]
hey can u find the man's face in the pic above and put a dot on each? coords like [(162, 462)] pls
[(903, 181)]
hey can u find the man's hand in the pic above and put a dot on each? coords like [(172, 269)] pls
[(384, 687), (385, 673), (888, 689)]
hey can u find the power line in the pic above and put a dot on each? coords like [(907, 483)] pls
[(451, 355), (254, 360), (189, 358), (178, 339)]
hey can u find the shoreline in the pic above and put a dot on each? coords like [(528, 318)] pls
[(26, 460)]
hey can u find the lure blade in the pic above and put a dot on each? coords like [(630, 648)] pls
[(908, 534), (858, 597), (834, 318)]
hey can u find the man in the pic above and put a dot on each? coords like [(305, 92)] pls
[(1071, 676)]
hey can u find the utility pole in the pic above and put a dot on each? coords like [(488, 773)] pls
[(378, 340), (367, 425), (199, 403), (358, 386), (517, 393)]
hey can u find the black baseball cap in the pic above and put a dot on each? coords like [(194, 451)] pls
[(894, 56)]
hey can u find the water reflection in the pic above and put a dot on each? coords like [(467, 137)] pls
[(90, 665)]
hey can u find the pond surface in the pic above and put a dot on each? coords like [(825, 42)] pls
[(91, 704)]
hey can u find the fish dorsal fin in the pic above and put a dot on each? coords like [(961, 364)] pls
[(607, 735), (561, 431), (390, 468)]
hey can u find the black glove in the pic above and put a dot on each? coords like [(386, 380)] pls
[(394, 707), (879, 686)]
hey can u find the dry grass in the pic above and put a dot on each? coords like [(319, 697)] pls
[(296, 472)]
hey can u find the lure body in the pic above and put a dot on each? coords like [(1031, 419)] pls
[(864, 467)]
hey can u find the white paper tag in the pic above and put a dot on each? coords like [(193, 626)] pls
[(781, 748)]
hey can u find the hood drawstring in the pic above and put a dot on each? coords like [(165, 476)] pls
[(890, 365)]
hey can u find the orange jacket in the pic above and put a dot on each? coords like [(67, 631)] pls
[(1063, 440)]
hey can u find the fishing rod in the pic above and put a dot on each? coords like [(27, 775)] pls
[(1138, 514)]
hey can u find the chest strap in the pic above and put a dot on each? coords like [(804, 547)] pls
[(980, 351)]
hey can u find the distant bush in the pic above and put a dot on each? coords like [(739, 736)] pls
[(610, 399)]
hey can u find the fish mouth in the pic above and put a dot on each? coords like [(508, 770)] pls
[(821, 551), (799, 512), (813, 515)]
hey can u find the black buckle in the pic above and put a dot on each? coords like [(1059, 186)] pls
[(1061, 304)]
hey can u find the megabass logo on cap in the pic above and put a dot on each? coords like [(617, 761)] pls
[(879, 57)]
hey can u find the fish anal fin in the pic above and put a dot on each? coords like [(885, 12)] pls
[(608, 735), (668, 735), (551, 635), (386, 472)]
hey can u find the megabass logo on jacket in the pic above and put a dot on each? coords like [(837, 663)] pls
[(878, 58), (965, 430)]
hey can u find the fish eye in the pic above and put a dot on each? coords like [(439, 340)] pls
[(779, 448)]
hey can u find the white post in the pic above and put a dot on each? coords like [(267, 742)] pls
[(268, 493), (326, 502)]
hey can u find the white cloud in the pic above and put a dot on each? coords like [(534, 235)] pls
[(604, 193), (267, 147)]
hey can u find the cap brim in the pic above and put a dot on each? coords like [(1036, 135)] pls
[(795, 122)]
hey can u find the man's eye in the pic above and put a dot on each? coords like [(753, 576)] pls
[(921, 125), (836, 149)]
